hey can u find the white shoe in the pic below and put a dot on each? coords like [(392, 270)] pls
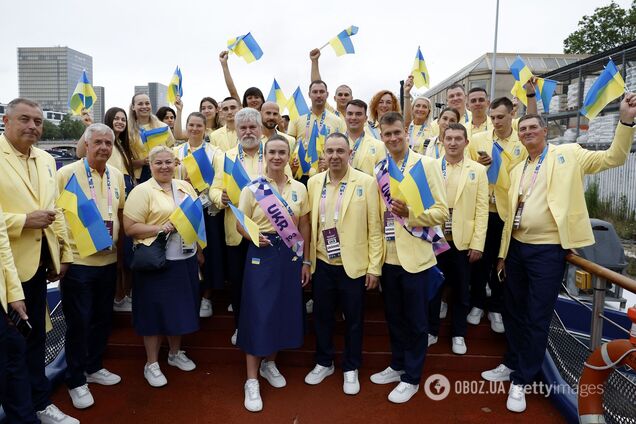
[(52, 415), (443, 310), (234, 337), (459, 346), (474, 316), (351, 385), (230, 308), (181, 361), (81, 397), (205, 311), (253, 401), (124, 305), (389, 375), (318, 374), (496, 322), (270, 373), (103, 377), (154, 376), (516, 398), (309, 306), (403, 392), (431, 340), (501, 373)]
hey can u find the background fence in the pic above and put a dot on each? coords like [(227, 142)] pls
[(617, 185)]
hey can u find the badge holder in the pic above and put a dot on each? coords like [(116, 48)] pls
[(517, 220), (332, 242), (389, 226), (448, 224), (109, 227)]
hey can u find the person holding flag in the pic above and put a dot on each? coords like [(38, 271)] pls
[(418, 115), (366, 151), (253, 96), (166, 301), (88, 287), (343, 91)]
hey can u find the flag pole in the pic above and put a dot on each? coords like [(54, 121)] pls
[(323, 46), (494, 57)]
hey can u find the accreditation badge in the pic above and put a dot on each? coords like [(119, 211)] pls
[(205, 200), (332, 242), (109, 227), (448, 224), (516, 224), (389, 226)]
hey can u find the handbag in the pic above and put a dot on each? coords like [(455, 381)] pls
[(150, 258)]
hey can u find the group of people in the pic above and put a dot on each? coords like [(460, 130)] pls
[(502, 205)]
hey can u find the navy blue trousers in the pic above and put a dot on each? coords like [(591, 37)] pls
[(87, 302), (533, 279), (483, 271), (331, 286), (406, 302), (235, 269)]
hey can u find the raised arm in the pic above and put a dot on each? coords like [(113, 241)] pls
[(229, 82), (408, 85), (178, 132), (532, 101), (314, 55)]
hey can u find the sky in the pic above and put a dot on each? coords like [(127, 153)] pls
[(136, 42)]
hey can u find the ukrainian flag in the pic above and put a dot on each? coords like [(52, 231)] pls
[(296, 105), (175, 87), (420, 71), (607, 87), (312, 146), (520, 71), (84, 219), (498, 170), (246, 47), (248, 225), (154, 137), (341, 43), (305, 166), (395, 178), (544, 90), (83, 97), (187, 218), (200, 170), (415, 189), (234, 178), (277, 96)]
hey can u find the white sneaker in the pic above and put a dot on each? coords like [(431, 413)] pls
[(52, 415), (459, 346), (389, 375), (230, 308), (496, 322), (351, 385), (516, 398), (474, 316), (403, 392), (309, 306), (124, 305), (103, 377), (205, 311), (501, 373), (431, 340), (81, 397), (253, 401), (318, 374), (270, 373), (154, 376), (181, 361), (234, 337), (443, 310)]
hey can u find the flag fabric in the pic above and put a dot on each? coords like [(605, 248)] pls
[(188, 220), (312, 146), (416, 191), (305, 166), (154, 137), (296, 105), (200, 170), (395, 178), (245, 46), (277, 96), (248, 225), (83, 97), (175, 87), (498, 170), (84, 219), (544, 88), (607, 87), (420, 71), (520, 71), (341, 43), (234, 178)]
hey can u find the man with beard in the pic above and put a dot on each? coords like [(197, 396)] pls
[(270, 115)]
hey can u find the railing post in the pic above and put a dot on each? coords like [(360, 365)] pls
[(598, 305)]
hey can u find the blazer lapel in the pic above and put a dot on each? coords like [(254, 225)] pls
[(462, 181), (13, 160), (346, 199), (550, 164), (44, 174)]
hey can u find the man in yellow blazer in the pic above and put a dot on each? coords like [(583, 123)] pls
[(345, 257), (409, 273), (366, 151), (37, 234), (467, 196), (548, 215)]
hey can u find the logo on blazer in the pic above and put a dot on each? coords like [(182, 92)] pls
[(116, 193), (517, 151), (50, 172), (561, 159), (372, 150), (471, 175), (294, 196), (359, 191)]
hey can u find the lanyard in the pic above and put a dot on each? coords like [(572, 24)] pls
[(322, 121), (91, 186), (419, 133), (406, 158), (323, 201), (534, 174), (356, 145), (241, 155), (444, 169)]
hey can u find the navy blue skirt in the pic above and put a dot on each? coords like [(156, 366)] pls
[(272, 311), (214, 269), (167, 302)]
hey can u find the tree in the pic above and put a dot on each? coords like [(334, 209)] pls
[(71, 129), (608, 27), (51, 131)]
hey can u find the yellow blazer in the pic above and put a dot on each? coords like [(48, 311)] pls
[(10, 285), (566, 165), (470, 213), (359, 226), (369, 153), (18, 198)]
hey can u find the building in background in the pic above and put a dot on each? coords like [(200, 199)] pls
[(3, 108), (99, 108), (157, 93)]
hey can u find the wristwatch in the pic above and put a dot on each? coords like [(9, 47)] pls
[(308, 263)]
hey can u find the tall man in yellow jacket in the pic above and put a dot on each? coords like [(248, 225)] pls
[(37, 234), (366, 151), (547, 216), (409, 266), (345, 256)]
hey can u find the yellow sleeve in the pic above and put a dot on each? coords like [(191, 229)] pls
[(616, 155), (216, 190), (305, 208), (12, 281), (293, 128), (122, 192), (438, 213), (376, 233), (481, 212), (137, 205), (59, 227), (246, 202)]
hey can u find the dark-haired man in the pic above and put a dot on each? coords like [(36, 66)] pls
[(225, 138), (366, 151)]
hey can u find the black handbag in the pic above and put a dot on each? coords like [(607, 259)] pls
[(150, 258)]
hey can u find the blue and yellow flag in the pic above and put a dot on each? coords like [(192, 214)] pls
[(175, 87), (187, 218), (420, 71), (607, 87), (305, 166), (277, 96), (248, 225), (296, 105), (154, 137), (83, 97), (520, 71), (200, 170), (234, 178), (498, 170), (395, 178), (312, 146), (245, 46), (416, 190), (341, 43), (84, 219), (544, 88)]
